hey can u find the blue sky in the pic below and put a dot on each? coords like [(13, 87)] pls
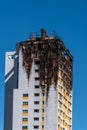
[(69, 19)]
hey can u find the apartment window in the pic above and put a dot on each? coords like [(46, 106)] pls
[(36, 70), (24, 127), (59, 104), (25, 103), (60, 88), (42, 110), (60, 96), (60, 112), (59, 120), (43, 94), (36, 94), (25, 95), (37, 78), (36, 127), (36, 118), (25, 111), (42, 118), (37, 62), (25, 119), (36, 86), (42, 126), (36, 110), (36, 102), (70, 97), (42, 102)]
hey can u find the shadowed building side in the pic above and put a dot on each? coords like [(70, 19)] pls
[(10, 85)]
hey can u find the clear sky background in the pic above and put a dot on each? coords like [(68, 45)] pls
[(69, 19)]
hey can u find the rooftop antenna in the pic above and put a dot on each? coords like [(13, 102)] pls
[(43, 33)]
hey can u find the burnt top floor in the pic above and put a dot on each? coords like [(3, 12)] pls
[(45, 40)]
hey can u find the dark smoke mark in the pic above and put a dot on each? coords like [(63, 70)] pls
[(46, 54), (27, 60)]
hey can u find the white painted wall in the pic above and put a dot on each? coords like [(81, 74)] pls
[(26, 86), (51, 109)]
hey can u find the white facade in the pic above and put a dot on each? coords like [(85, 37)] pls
[(25, 86)]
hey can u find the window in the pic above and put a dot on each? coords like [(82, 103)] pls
[(36, 110), (60, 104), (37, 62), (36, 86), (42, 118), (59, 120), (25, 119), (37, 78), (36, 94), (25, 103), (42, 126), (43, 94), (36, 118), (25, 95), (36, 70), (42, 102), (36, 102), (24, 127), (36, 127), (25, 111), (60, 96)]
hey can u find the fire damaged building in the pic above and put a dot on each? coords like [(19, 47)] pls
[(38, 85)]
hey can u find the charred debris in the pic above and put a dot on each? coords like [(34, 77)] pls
[(49, 54)]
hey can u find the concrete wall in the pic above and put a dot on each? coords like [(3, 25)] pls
[(26, 85)]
